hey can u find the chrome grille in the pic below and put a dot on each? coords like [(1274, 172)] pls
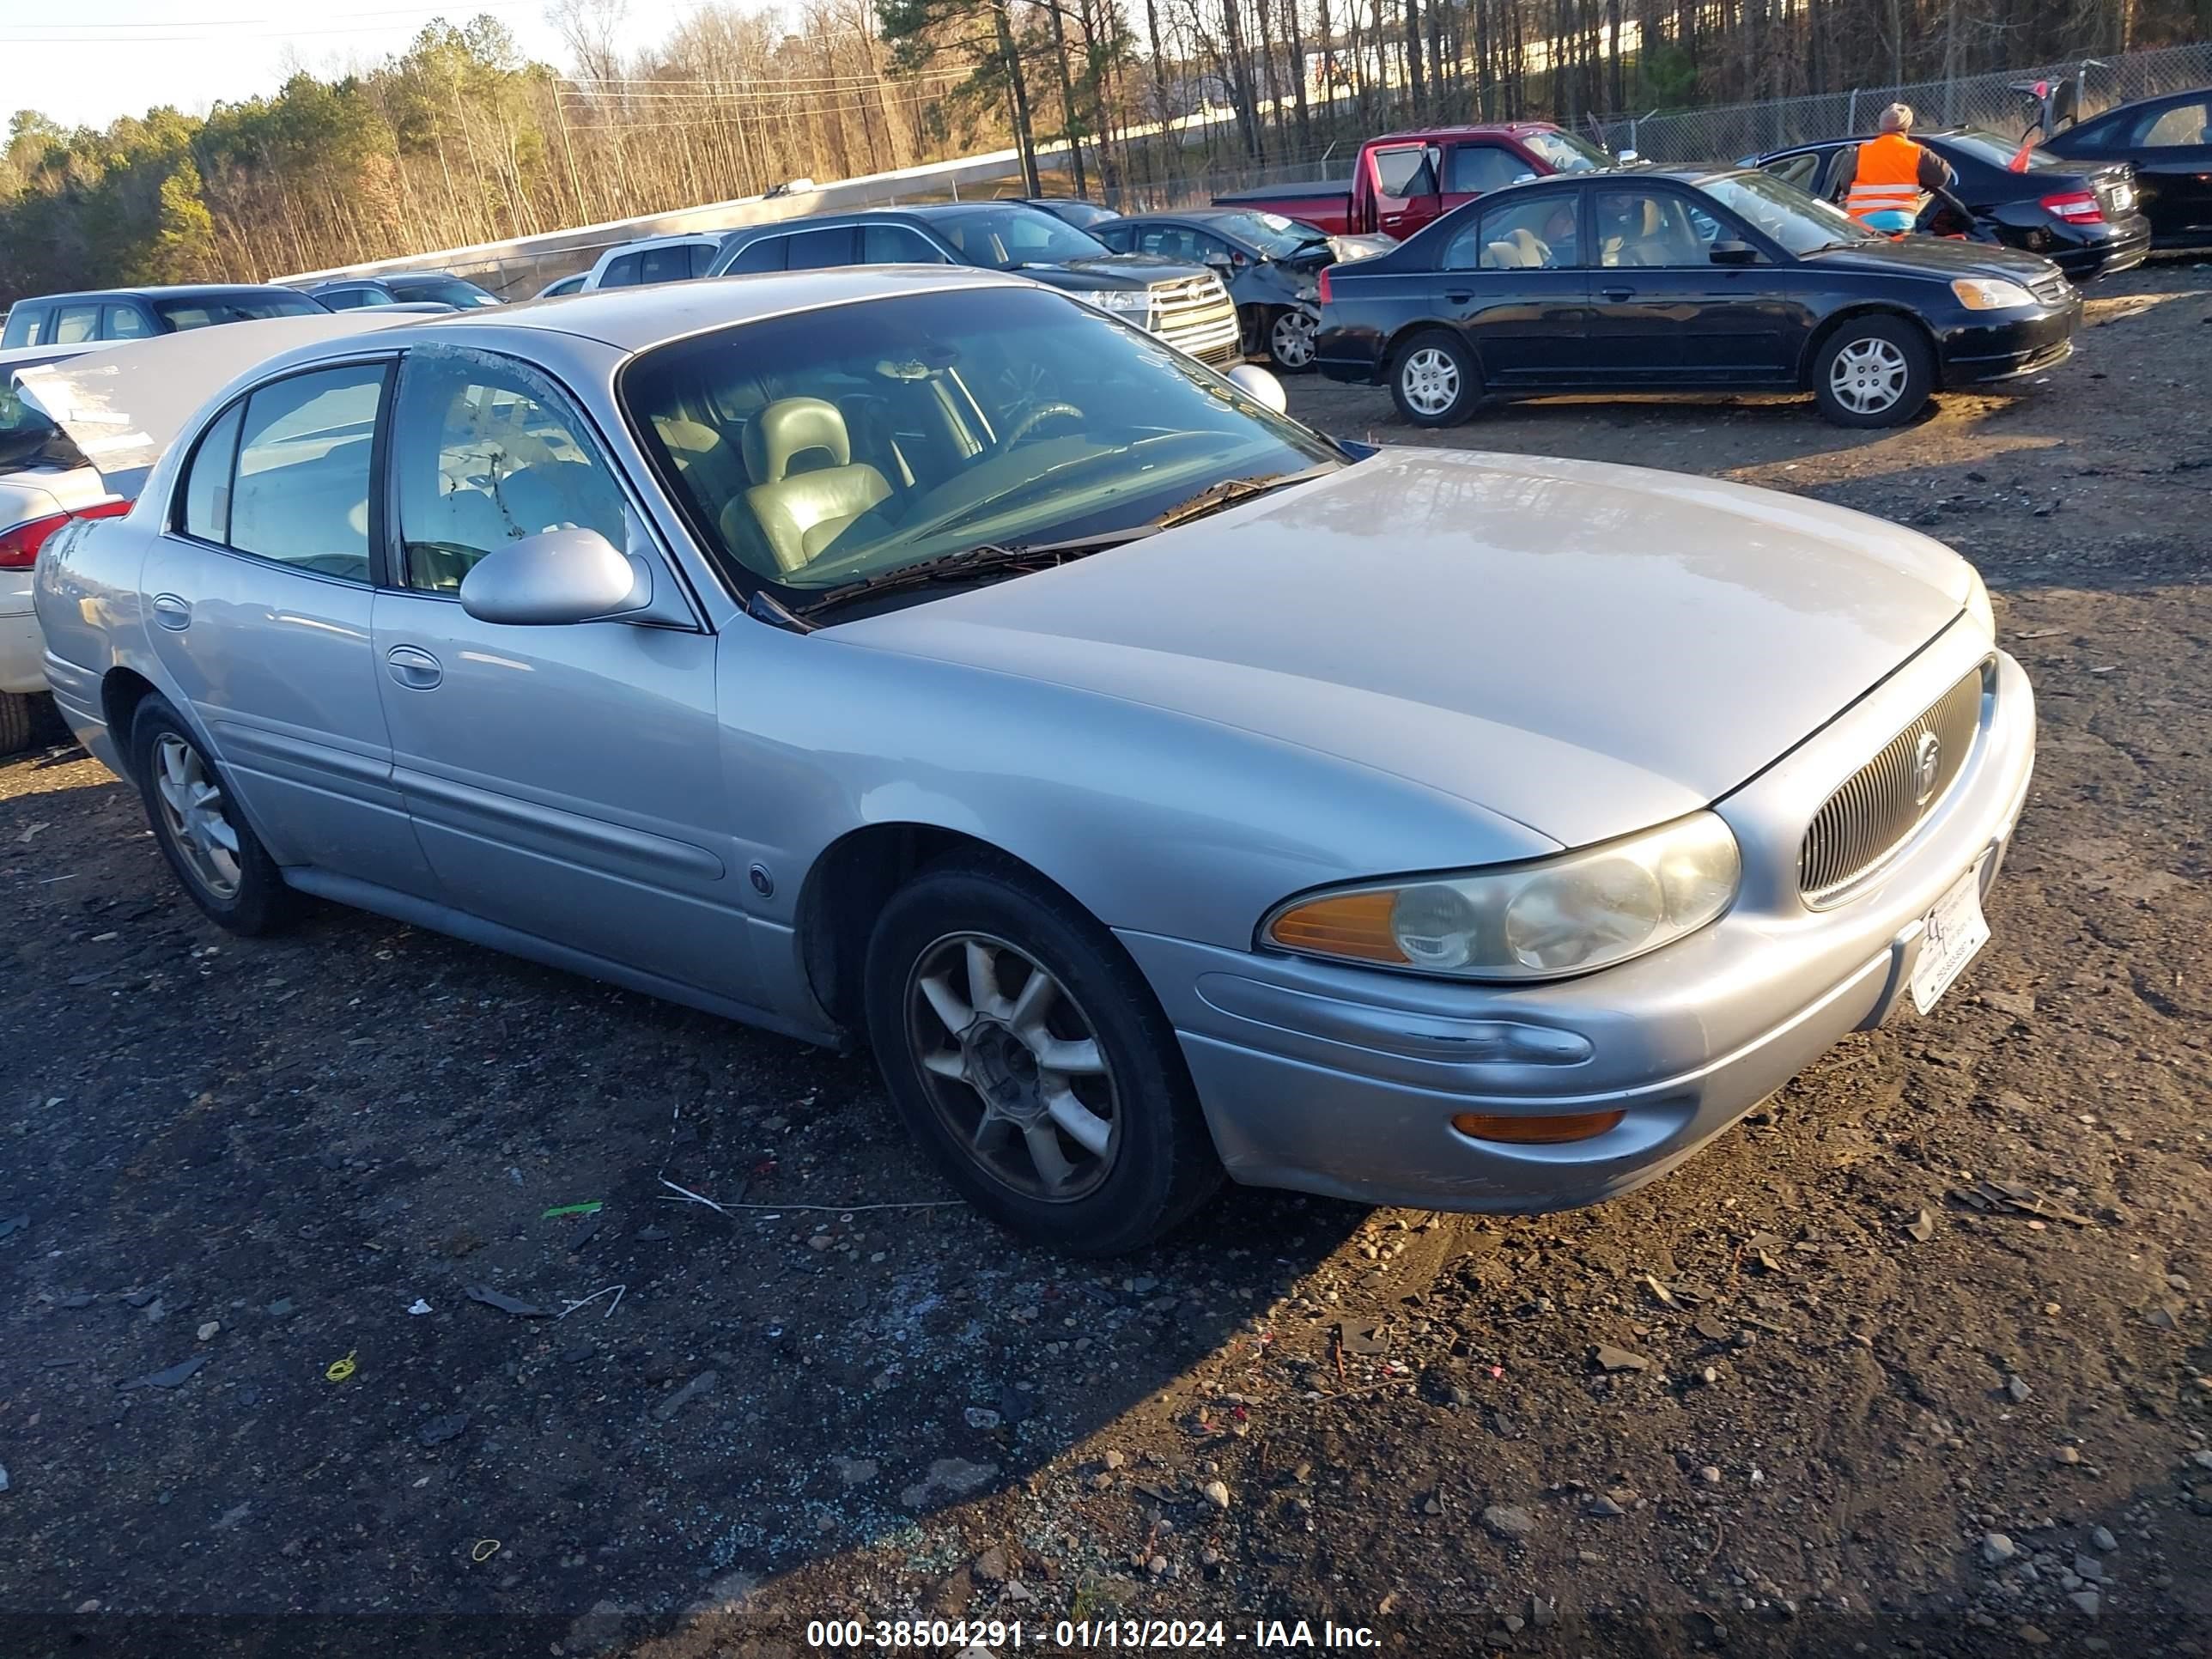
[(1195, 315), (1881, 804), (2051, 290)]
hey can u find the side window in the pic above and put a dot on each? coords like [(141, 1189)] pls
[(766, 254), (123, 323), (1528, 233), (702, 255), (1114, 236), (671, 263), (207, 487), (1646, 228), (1478, 169), (1803, 170), (896, 245), (2184, 126), (818, 250), (1405, 172), (24, 327), (622, 273), (74, 325), (301, 492), (1210, 250), (484, 455)]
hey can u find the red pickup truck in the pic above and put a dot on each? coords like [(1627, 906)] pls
[(1404, 179)]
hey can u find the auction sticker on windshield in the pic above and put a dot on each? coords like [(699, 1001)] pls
[(1955, 930)]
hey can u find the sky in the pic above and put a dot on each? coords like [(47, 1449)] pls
[(85, 62)]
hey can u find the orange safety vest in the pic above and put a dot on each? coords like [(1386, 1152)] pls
[(1888, 177)]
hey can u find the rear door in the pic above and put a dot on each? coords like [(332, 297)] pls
[(1402, 179), (1662, 313), (1513, 283), (260, 594)]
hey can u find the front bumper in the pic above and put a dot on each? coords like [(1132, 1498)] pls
[(1343, 1081), (2023, 343)]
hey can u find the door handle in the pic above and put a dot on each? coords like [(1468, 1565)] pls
[(1616, 295), (413, 667), (172, 612)]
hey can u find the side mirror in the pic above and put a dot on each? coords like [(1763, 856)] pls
[(557, 576), (1262, 387), (1733, 253)]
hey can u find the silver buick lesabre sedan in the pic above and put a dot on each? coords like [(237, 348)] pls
[(1163, 789)]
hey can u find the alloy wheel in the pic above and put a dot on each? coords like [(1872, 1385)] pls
[(191, 807), (1430, 380), (1012, 1066), (1292, 339), (1869, 375)]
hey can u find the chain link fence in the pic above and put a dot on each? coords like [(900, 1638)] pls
[(1730, 132)]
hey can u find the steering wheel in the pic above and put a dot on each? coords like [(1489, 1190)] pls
[(1036, 417)]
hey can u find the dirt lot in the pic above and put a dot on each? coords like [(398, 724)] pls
[(1863, 1409)]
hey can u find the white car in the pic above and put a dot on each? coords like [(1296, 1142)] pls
[(652, 259), (79, 431)]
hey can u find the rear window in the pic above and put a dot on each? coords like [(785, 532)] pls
[(22, 328), (621, 273), (444, 290), (207, 310), (666, 264)]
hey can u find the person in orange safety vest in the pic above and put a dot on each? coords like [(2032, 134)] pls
[(1889, 173)]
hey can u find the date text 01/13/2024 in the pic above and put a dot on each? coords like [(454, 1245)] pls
[(958, 1635)]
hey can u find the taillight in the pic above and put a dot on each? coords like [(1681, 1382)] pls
[(1324, 284), (2075, 207), (20, 544)]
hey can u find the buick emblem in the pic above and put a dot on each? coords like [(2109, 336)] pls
[(1927, 755)]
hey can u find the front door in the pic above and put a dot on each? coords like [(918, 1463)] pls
[(1514, 284), (1403, 178), (260, 604), (1662, 313), (565, 781)]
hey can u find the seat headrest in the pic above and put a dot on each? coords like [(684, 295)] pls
[(790, 427), (1653, 223)]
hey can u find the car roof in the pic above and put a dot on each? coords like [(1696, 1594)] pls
[(635, 319), (1481, 130), (164, 291)]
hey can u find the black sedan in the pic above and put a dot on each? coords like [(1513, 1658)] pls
[(2168, 143), (1679, 279), (1268, 262), (2082, 215)]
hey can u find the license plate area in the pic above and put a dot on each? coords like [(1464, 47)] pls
[(1955, 931)]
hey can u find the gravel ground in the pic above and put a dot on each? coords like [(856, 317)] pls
[(1917, 1358)]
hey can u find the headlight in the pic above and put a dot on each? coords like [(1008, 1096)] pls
[(1991, 294), (1978, 607), (1559, 915), (1135, 304)]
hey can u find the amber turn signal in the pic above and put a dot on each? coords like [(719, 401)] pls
[(1355, 925), (1536, 1131)]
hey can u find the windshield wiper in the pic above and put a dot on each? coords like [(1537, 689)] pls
[(1215, 498), (982, 559)]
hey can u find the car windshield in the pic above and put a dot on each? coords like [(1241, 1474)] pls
[(1980, 144), (826, 447), (1007, 238), (202, 309), (448, 290), (1565, 152), (1803, 224), (1272, 234)]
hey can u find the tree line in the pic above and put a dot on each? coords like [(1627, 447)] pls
[(462, 139)]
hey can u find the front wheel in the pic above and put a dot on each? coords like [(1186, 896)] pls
[(1027, 1054), (1874, 372), (1291, 340), (1434, 380)]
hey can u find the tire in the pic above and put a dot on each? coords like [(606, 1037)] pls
[(19, 720), (1290, 340), (1149, 1163), (243, 892), (1434, 379), (1873, 372)]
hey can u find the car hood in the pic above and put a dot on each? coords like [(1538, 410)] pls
[(1937, 256), (1586, 649), (124, 403), (1111, 270)]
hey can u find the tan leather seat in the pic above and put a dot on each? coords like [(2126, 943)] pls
[(709, 465), (802, 513)]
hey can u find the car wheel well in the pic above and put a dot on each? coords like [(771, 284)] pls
[(847, 889), (121, 691), (1412, 332), (1826, 332)]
